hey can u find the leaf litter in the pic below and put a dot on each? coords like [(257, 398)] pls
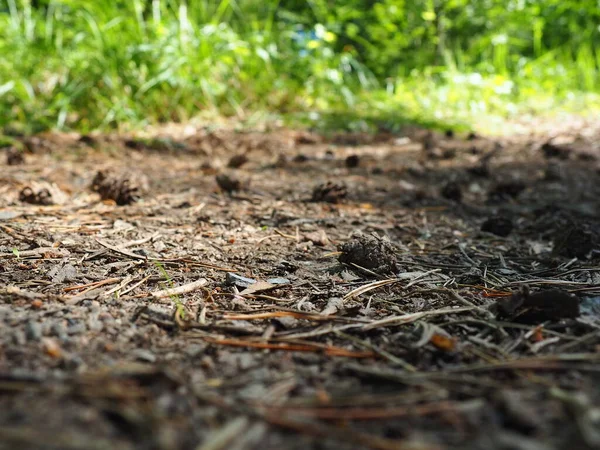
[(156, 306)]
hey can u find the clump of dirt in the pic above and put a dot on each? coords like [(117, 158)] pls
[(369, 252), (228, 182), (555, 151), (532, 308), (352, 161), (498, 225), (122, 188), (329, 192), (576, 241), (14, 157), (506, 190), (452, 191), (237, 161)]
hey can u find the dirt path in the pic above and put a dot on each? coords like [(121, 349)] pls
[(331, 293)]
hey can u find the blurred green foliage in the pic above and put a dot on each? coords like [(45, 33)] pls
[(99, 63), (396, 36)]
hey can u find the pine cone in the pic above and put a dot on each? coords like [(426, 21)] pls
[(42, 193), (123, 188), (329, 192)]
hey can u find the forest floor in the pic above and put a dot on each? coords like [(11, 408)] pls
[(441, 292)]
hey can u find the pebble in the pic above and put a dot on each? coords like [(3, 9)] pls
[(94, 324), (143, 355), (194, 350), (77, 328), (60, 331), (19, 337), (33, 331)]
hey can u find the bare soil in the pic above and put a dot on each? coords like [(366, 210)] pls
[(396, 291)]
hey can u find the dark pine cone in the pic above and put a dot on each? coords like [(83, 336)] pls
[(123, 189), (329, 192), (14, 157), (36, 196)]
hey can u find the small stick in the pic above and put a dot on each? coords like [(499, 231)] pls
[(183, 289)]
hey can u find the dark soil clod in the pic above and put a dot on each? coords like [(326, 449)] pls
[(228, 183), (371, 253), (452, 191), (575, 241), (88, 140), (498, 225), (533, 308), (300, 158), (551, 151), (237, 161), (352, 161), (14, 157), (553, 172), (480, 170), (506, 190), (329, 192), (448, 153)]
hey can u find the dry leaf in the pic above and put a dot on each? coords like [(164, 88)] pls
[(442, 342)]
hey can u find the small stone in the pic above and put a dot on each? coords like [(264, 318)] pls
[(19, 337), (33, 330), (94, 324), (77, 328), (194, 350), (143, 355), (278, 280), (59, 330), (233, 279)]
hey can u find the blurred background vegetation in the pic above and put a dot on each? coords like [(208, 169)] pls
[(84, 64)]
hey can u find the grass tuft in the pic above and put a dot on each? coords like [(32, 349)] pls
[(100, 64)]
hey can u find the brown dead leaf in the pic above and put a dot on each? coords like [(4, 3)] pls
[(442, 342)]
